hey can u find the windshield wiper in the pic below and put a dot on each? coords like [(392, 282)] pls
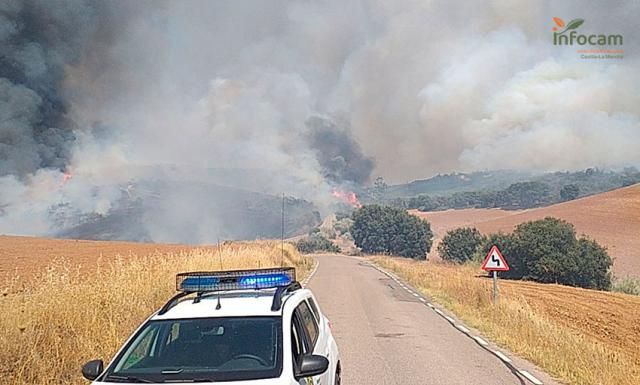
[(128, 379)]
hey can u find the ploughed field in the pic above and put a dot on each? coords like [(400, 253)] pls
[(611, 218), (23, 257)]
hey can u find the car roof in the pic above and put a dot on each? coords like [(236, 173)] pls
[(238, 303)]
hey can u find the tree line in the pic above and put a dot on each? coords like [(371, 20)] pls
[(546, 250), (544, 190)]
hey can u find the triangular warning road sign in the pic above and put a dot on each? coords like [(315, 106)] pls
[(495, 261)]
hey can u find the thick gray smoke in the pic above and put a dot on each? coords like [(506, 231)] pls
[(339, 156), (295, 96), (37, 41)]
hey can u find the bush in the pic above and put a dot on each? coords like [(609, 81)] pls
[(627, 286), (569, 192), (460, 245), (548, 251), (316, 242), (387, 230), (342, 226)]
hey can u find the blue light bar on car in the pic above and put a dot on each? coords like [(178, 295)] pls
[(235, 280)]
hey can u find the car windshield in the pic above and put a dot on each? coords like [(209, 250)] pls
[(202, 349)]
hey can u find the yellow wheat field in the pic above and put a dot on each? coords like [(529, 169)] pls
[(65, 318)]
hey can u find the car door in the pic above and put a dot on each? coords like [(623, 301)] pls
[(312, 340), (323, 345), (299, 344)]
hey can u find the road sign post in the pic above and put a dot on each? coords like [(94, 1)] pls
[(495, 262)]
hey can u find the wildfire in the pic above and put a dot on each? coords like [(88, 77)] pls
[(66, 177), (348, 197)]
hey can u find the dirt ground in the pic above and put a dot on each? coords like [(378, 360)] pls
[(25, 256), (612, 319), (611, 218)]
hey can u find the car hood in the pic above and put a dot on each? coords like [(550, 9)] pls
[(271, 381)]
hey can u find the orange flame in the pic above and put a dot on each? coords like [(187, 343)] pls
[(348, 197), (66, 177)]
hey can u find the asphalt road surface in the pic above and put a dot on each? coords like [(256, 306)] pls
[(388, 336)]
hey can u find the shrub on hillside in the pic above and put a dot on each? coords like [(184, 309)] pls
[(387, 230), (460, 245), (548, 250), (315, 243), (569, 192), (627, 286)]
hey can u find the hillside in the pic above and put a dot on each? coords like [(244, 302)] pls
[(458, 182), (589, 181), (611, 218), (190, 212), (500, 189)]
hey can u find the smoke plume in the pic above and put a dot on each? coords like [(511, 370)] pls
[(37, 41), (295, 96)]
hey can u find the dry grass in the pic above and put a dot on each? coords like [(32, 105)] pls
[(579, 336), (64, 318), (22, 258)]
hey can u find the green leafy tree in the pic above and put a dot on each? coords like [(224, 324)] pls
[(460, 245), (547, 250), (507, 245), (544, 245), (569, 192), (388, 230), (589, 266)]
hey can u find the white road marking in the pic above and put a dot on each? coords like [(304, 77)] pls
[(463, 329), (481, 341), (530, 377), (502, 356), (306, 280), (416, 295)]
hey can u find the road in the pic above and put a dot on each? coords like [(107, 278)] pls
[(388, 336)]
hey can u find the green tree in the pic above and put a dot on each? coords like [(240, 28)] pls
[(379, 190), (589, 266), (507, 245), (388, 230), (569, 192), (526, 195), (460, 245), (544, 246), (547, 250)]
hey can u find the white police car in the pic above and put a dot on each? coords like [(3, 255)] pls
[(245, 327)]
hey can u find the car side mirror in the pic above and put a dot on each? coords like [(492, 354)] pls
[(92, 369), (312, 365)]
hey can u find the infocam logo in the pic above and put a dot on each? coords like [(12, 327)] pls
[(568, 35)]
